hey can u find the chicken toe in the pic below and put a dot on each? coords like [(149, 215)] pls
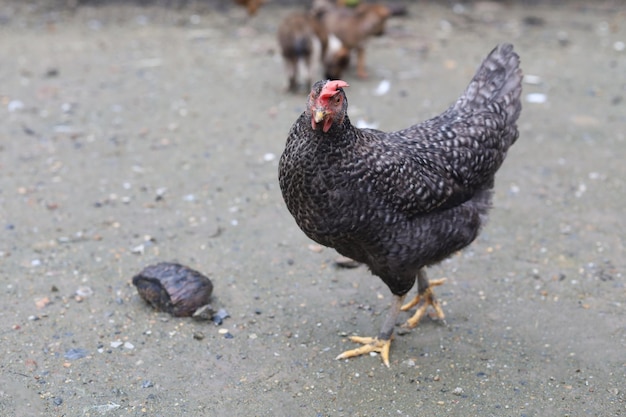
[(427, 298), (370, 344), (382, 343)]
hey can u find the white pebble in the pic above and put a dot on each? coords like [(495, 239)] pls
[(532, 79), (595, 176), (15, 105), (363, 124), (84, 292), (268, 157), (619, 46), (536, 98), (138, 250), (383, 88)]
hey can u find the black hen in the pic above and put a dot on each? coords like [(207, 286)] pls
[(401, 201)]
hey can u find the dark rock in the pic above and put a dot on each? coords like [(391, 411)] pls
[(173, 288)]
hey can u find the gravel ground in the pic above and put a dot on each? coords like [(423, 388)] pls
[(134, 134)]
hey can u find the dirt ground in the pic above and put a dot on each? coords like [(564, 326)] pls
[(135, 134)]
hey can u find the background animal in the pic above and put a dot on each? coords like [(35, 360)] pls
[(303, 42), (251, 5), (353, 25)]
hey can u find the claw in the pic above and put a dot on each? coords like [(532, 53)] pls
[(428, 297), (370, 344)]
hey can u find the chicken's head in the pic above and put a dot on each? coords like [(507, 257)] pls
[(327, 104)]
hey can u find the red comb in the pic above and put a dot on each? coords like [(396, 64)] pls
[(331, 88)]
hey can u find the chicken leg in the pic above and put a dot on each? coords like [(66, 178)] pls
[(425, 293), (382, 343)]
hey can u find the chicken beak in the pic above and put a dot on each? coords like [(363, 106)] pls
[(319, 115)]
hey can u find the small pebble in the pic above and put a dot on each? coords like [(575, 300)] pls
[(345, 262), (51, 72), (147, 384), (364, 124), (532, 79), (15, 105), (534, 21), (138, 250), (75, 353), (220, 316), (205, 312), (315, 248), (536, 98), (84, 292), (383, 88)]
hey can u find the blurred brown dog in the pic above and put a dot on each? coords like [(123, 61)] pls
[(353, 26), (303, 42), (336, 59)]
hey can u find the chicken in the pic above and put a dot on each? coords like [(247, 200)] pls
[(401, 201)]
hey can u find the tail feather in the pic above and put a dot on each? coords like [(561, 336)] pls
[(498, 80)]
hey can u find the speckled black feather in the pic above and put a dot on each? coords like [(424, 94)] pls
[(403, 200)]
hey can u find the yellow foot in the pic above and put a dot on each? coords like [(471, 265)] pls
[(429, 299), (370, 344)]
